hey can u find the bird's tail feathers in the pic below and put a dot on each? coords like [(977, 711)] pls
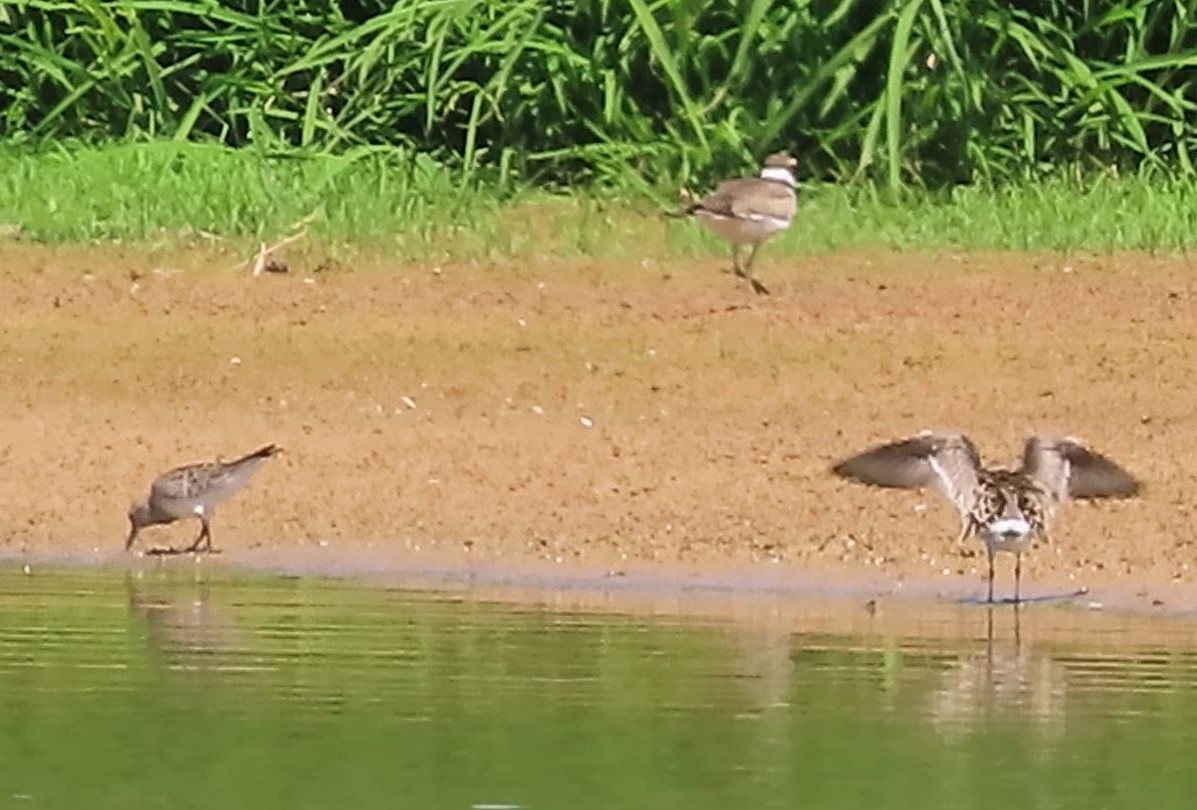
[(682, 213), (689, 202), (262, 452)]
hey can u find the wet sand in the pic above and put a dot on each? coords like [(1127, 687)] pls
[(605, 420)]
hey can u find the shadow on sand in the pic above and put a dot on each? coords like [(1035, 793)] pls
[(168, 551), (1026, 600)]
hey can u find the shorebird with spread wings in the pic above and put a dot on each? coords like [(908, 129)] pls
[(1006, 509)]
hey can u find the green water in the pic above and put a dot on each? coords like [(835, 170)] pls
[(158, 690)]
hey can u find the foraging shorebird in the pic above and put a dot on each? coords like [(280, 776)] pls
[(193, 491), (1007, 509), (748, 210)]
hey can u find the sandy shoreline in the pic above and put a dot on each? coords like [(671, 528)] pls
[(595, 417)]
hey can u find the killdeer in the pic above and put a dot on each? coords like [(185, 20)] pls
[(1007, 509), (193, 491), (748, 210)]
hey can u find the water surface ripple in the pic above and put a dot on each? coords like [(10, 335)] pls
[(176, 688)]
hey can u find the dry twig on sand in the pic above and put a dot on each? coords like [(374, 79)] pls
[(264, 261)]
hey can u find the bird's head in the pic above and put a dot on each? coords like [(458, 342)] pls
[(139, 517)]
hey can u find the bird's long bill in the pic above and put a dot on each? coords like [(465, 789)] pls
[(132, 535)]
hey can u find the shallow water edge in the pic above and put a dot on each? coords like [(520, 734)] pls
[(647, 588)]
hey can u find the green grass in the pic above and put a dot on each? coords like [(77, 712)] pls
[(923, 93), (391, 200)]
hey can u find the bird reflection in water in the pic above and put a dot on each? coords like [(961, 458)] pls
[(1004, 680), (762, 661), (182, 625)]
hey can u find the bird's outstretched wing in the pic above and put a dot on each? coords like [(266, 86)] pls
[(946, 461), (1068, 467)]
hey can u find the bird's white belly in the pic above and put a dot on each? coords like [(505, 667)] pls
[(1013, 535), (179, 508), (743, 231)]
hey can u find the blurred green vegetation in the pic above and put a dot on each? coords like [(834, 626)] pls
[(921, 92)]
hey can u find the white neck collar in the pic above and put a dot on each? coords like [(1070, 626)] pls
[(778, 173)]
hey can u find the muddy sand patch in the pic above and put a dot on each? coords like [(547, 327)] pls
[(604, 416)]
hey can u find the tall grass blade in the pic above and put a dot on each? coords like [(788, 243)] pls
[(648, 24), (899, 57)]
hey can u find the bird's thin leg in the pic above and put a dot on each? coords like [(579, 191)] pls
[(757, 286), (751, 258), (208, 546), (989, 552), (199, 538), (205, 537), (736, 268), (1017, 574)]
